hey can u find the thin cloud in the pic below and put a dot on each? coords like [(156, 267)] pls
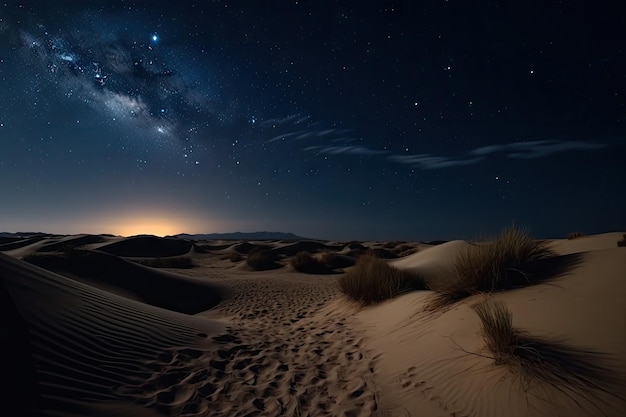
[(537, 148), (352, 150), (427, 161), (279, 121), (334, 131), (326, 132), (284, 136), (517, 150), (305, 135), (302, 120)]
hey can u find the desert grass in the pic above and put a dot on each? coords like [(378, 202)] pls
[(262, 260), (335, 260), (621, 243), (373, 280), (577, 373), (575, 235), (508, 261), (307, 263)]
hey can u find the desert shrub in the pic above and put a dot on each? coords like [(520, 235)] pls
[(373, 280), (498, 331), (569, 369), (262, 260), (305, 262), (575, 235), (335, 260), (502, 263), (373, 252), (622, 242), (182, 262)]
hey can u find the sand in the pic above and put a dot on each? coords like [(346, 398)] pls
[(96, 333)]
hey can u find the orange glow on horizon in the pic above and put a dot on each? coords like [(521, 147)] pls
[(131, 224), (144, 227)]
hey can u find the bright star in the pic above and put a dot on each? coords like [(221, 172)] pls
[(154, 38)]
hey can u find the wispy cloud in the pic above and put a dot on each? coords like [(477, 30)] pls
[(297, 118), (346, 149), (516, 150), (284, 136), (537, 148), (305, 135), (427, 161)]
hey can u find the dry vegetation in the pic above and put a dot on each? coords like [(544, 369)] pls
[(570, 370), (307, 263), (262, 260), (575, 235), (335, 260), (622, 242), (325, 262), (373, 280), (502, 263)]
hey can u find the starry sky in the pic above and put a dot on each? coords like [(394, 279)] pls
[(411, 120)]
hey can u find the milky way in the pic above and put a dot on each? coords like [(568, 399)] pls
[(126, 79)]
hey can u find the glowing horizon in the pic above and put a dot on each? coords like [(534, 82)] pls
[(128, 222)]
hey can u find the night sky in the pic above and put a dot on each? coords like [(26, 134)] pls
[(328, 119)]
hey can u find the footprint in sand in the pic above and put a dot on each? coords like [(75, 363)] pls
[(287, 365)]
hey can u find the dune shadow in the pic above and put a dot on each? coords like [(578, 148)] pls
[(148, 246), (158, 288)]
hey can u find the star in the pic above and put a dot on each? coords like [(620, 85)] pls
[(155, 38)]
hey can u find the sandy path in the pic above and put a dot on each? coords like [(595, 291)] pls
[(280, 357)]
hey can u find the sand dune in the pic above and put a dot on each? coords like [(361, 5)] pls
[(86, 345), (283, 343), (148, 246)]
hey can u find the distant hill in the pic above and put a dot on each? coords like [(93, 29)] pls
[(24, 234), (242, 236)]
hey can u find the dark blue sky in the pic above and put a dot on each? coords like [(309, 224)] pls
[(339, 120)]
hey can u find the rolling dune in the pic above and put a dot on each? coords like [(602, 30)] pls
[(106, 336)]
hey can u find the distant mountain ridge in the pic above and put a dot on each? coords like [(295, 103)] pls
[(242, 236), (199, 236), (24, 234)]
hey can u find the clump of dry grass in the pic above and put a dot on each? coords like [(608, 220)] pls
[(622, 242), (503, 263), (571, 370), (335, 260), (373, 280), (262, 260), (307, 263), (498, 331), (575, 235)]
